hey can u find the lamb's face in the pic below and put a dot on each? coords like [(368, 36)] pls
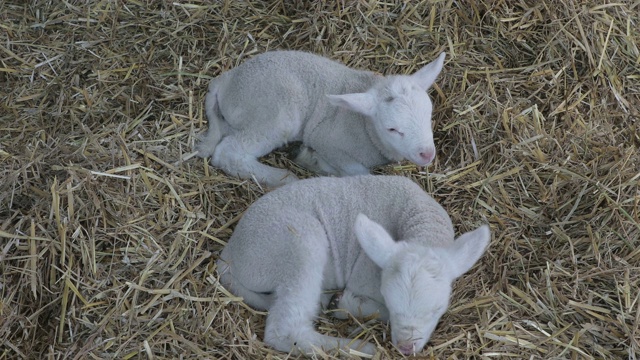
[(416, 293), (402, 120), (416, 279)]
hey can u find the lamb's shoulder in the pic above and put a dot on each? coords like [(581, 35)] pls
[(327, 121)]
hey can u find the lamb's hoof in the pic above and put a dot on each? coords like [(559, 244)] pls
[(293, 149), (305, 157), (335, 300)]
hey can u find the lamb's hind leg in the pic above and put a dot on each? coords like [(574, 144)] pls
[(237, 157), (297, 299), (238, 152)]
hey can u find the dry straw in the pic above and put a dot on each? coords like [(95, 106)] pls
[(109, 230)]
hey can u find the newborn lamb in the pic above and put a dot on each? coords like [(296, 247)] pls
[(347, 120), (380, 240)]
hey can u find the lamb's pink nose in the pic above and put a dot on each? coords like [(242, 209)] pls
[(406, 348), (427, 155)]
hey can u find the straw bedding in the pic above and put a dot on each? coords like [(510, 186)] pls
[(109, 227)]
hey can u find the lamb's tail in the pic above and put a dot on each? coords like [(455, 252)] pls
[(210, 139), (258, 301)]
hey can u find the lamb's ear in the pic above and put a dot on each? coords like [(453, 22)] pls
[(375, 240), (363, 103), (428, 74), (467, 249)]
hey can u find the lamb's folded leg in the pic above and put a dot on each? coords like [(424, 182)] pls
[(334, 162), (308, 158), (347, 302), (297, 299), (236, 157)]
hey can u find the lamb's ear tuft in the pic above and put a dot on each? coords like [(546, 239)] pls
[(467, 249), (363, 103), (426, 76), (375, 240)]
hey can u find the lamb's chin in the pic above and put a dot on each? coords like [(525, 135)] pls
[(409, 347), (419, 161)]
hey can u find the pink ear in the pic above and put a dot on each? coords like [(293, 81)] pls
[(363, 103), (426, 76), (467, 249), (374, 240)]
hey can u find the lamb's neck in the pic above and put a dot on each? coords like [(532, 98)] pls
[(359, 81), (426, 226)]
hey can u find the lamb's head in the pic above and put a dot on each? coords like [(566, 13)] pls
[(400, 111), (416, 291), (416, 279)]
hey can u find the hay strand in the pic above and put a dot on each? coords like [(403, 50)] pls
[(109, 227)]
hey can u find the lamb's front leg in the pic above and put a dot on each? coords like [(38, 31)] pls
[(353, 168), (337, 163), (344, 163), (310, 160), (346, 302), (290, 325), (297, 297)]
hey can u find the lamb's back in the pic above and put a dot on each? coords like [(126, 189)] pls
[(288, 80), (396, 202)]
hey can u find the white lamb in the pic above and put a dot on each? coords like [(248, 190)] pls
[(381, 241), (347, 120)]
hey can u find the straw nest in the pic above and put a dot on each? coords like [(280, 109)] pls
[(109, 230)]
